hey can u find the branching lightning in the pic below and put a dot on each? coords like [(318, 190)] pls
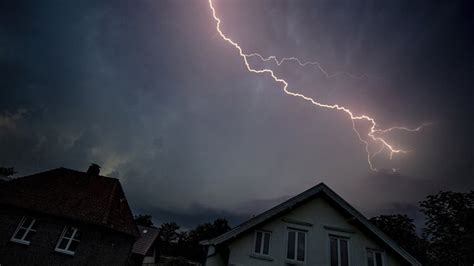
[(375, 134), (316, 64)]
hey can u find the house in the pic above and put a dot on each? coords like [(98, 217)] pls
[(316, 227), (65, 217), (145, 250)]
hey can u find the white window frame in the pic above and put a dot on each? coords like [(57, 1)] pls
[(296, 231), (338, 238), (28, 228), (374, 251), (262, 242), (70, 239)]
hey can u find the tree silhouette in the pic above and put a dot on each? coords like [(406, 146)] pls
[(144, 220), (450, 227), (209, 230), (169, 232), (177, 243), (7, 171), (401, 229), (203, 232)]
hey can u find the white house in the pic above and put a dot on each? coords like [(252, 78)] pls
[(316, 227)]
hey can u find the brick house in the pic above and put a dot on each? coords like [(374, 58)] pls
[(65, 217)]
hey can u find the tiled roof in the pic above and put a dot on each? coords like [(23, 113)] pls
[(72, 194), (148, 236)]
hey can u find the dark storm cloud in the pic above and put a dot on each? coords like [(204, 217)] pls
[(148, 90)]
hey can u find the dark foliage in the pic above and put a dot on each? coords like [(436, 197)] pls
[(176, 243), (7, 171), (401, 229), (144, 220), (448, 236), (209, 230), (450, 227), (169, 232)]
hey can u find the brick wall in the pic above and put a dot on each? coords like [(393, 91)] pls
[(98, 246)]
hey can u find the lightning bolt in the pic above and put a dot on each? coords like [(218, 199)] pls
[(375, 134), (316, 64)]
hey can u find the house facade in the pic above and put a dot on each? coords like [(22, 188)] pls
[(65, 217), (317, 227)]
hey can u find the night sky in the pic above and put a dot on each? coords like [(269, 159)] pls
[(149, 90)]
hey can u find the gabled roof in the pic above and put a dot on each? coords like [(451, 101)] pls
[(148, 236), (62, 192), (319, 190)]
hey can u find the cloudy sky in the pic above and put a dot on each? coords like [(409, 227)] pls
[(149, 90)]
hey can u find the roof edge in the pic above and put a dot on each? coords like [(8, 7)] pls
[(288, 204)]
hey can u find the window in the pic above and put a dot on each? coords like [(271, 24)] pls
[(25, 231), (296, 250), (69, 240), (262, 242), (339, 251), (374, 258)]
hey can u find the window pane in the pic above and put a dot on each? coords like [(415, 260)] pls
[(21, 232), (73, 245), (27, 222), (266, 243), (301, 246), (77, 236), (291, 245), (29, 235), (370, 258), (35, 225), (378, 258), (344, 252), (69, 231), (258, 242), (63, 243), (333, 251)]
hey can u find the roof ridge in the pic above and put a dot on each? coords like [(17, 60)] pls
[(16, 179), (288, 204), (85, 173), (312, 190), (389, 241), (147, 227), (57, 169), (74, 195)]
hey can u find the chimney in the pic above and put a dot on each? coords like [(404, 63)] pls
[(94, 169)]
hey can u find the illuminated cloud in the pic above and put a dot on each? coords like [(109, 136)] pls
[(8, 120), (151, 93)]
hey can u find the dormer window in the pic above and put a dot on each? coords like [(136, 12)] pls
[(262, 242), (25, 231), (69, 240)]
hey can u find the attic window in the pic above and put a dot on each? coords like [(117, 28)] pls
[(25, 230), (375, 258), (262, 242), (69, 240), (296, 246), (339, 251)]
